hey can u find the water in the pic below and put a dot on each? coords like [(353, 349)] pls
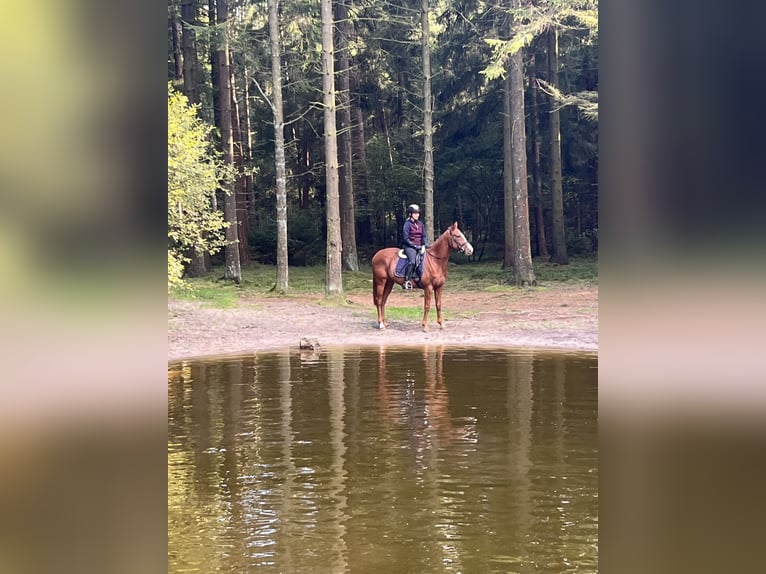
[(384, 460)]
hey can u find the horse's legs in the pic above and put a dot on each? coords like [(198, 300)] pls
[(427, 289), (379, 300), (386, 292), (438, 299)]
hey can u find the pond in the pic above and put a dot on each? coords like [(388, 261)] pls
[(381, 459)]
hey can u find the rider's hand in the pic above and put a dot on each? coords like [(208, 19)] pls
[(422, 249)]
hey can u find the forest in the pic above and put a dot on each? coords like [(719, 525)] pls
[(298, 132)]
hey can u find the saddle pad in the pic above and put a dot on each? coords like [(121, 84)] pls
[(401, 267)]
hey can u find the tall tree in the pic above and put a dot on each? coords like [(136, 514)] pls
[(428, 145), (557, 194), (522, 260), (580, 19), (233, 271), (334, 286), (388, 113), (189, 49), (279, 147), (200, 259), (508, 250), (542, 244), (361, 191), (239, 162), (347, 211), (178, 55), (215, 72), (248, 144)]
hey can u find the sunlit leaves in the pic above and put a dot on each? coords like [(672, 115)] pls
[(585, 101), (194, 173), (534, 20)]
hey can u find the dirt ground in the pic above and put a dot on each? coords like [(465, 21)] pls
[(552, 317)]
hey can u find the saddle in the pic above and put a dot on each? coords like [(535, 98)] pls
[(403, 261)]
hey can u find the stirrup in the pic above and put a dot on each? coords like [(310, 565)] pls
[(407, 285)]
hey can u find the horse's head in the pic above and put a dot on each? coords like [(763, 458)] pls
[(458, 241)]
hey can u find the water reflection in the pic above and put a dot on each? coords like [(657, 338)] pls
[(378, 460)]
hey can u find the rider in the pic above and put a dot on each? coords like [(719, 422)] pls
[(415, 240)]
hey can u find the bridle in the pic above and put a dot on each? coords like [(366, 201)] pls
[(460, 246), (454, 244)]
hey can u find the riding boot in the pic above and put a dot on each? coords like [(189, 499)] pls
[(407, 274)]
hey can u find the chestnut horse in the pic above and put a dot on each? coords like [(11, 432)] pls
[(432, 280)]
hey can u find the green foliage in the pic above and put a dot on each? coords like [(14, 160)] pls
[(194, 173), (530, 22), (175, 271), (586, 101), (394, 180), (584, 244), (386, 67), (305, 240)]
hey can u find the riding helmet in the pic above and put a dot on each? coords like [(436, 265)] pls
[(413, 208)]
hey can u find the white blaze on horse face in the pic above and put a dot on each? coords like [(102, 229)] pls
[(467, 247)]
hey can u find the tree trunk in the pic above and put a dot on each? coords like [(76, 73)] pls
[(279, 147), (233, 270), (542, 244), (200, 261), (215, 73), (428, 163), (306, 163), (248, 142), (507, 174), (362, 193), (178, 55), (386, 132), (557, 194), (522, 261), (350, 256), (334, 285), (189, 48), (239, 162)]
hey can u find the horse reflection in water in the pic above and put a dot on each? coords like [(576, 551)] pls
[(431, 281), (418, 401)]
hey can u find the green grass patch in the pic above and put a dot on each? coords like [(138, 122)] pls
[(260, 280), (492, 277), (578, 270), (222, 296), (414, 314)]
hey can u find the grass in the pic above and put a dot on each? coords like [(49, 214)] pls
[(415, 314), (222, 296), (259, 280), (405, 313), (493, 278)]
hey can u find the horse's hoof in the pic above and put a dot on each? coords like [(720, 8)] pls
[(425, 328), (382, 326)]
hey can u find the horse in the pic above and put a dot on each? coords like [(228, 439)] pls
[(431, 281)]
